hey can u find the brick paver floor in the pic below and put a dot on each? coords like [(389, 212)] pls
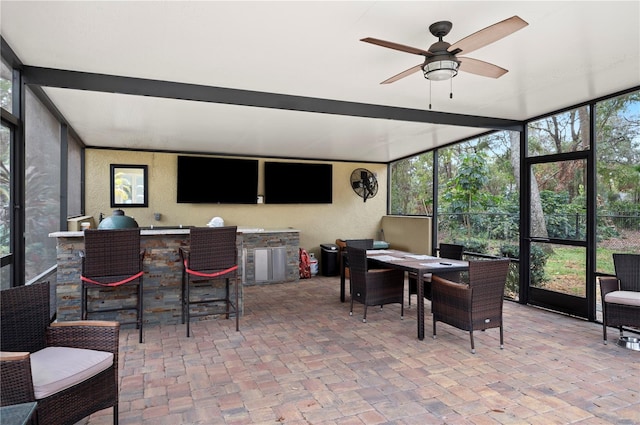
[(299, 358)]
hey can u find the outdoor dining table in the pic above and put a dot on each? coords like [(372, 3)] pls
[(412, 263)]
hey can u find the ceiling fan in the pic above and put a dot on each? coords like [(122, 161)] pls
[(442, 61)]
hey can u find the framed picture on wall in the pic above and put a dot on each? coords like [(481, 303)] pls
[(129, 186)]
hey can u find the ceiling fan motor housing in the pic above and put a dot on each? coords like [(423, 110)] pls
[(440, 29)]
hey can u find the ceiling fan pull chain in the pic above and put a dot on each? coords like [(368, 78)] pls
[(451, 89), (429, 94)]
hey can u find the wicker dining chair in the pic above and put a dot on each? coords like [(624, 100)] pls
[(473, 306), (621, 294), (212, 256), (45, 362), (446, 250), (357, 243), (360, 243), (373, 287), (112, 261), (343, 256)]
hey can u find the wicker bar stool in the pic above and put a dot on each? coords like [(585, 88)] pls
[(212, 256), (112, 259)]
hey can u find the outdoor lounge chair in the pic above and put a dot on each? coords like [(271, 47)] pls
[(621, 294), (69, 368)]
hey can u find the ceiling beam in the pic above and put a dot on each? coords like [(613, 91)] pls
[(77, 80)]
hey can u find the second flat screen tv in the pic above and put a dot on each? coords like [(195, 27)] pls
[(210, 180), (298, 183)]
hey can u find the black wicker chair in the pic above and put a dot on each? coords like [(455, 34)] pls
[(211, 257), (357, 243), (473, 306), (373, 287), (360, 243), (446, 250), (621, 294), (29, 341), (111, 261)]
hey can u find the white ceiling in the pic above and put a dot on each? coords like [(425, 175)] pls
[(571, 52)]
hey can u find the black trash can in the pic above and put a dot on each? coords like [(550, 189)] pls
[(329, 259)]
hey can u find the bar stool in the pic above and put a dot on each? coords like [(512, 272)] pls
[(112, 258), (211, 256)]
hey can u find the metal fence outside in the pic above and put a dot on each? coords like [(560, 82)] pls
[(622, 228)]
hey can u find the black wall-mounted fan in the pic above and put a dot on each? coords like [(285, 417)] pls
[(364, 183)]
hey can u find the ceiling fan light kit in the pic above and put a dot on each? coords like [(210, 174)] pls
[(440, 70)]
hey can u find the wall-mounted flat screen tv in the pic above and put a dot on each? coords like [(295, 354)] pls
[(298, 183), (209, 180)]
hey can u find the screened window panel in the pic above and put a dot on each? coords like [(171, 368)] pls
[(6, 91), (564, 132), (617, 178), (42, 186), (74, 177), (5, 201)]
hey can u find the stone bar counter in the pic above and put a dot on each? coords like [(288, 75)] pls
[(163, 271)]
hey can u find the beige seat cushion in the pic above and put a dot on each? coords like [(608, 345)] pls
[(623, 297), (57, 368)]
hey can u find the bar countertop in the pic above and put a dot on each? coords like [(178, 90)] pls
[(165, 230)]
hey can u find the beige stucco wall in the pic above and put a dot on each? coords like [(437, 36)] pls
[(408, 233), (347, 217)]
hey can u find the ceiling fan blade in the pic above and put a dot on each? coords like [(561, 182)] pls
[(402, 74), (397, 46), (488, 35), (482, 68)]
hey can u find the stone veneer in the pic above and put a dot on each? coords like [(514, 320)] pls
[(288, 239), (163, 274)]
